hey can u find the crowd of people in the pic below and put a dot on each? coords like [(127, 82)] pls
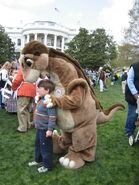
[(101, 76), (7, 73)]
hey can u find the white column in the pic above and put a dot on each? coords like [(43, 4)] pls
[(45, 39), (23, 41), (35, 38), (27, 38), (55, 41), (63, 44)]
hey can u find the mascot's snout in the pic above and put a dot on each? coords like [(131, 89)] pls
[(34, 60)]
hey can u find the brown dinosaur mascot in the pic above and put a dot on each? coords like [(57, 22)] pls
[(78, 108)]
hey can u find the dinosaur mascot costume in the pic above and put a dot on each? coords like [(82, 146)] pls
[(78, 108)]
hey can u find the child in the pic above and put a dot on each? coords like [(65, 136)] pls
[(44, 120)]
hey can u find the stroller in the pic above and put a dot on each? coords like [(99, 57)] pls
[(137, 125), (9, 97), (131, 141)]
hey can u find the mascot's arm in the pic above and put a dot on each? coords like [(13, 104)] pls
[(72, 101), (76, 92)]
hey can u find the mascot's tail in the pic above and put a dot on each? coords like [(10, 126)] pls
[(106, 115)]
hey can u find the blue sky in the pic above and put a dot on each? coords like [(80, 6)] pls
[(111, 15)]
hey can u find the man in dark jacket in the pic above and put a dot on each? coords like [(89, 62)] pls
[(131, 96)]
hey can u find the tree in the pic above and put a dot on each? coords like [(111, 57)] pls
[(123, 59), (78, 47), (7, 50), (132, 33), (92, 50), (103, 48)]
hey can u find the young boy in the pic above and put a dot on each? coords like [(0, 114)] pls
[(44, 120)]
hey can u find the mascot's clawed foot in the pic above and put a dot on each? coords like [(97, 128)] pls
[(72, 160)]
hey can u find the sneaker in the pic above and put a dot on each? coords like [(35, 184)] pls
[(33, 163), (42, 169), (19, 131), (131, 140)]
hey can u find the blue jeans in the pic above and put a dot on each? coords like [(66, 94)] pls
[(131, 119), (44, 149)]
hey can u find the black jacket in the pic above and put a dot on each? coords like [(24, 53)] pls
[(128, 95)]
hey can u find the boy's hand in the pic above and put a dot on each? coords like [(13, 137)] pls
[(49, 133), (36, 98)]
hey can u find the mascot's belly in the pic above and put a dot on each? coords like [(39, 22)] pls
[(65, 120)]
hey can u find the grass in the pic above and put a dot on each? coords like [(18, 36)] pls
[(116, 162)]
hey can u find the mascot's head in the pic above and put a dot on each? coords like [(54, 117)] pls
[(33, 60)]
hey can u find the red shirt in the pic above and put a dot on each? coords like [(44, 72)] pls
[(23, 88)]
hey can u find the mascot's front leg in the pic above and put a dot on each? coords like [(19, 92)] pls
[(63, 143), (81, 149)]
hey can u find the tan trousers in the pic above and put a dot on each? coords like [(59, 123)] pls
[(24, 111), (123, 86)]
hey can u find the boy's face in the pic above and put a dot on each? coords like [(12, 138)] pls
[(42, 91)]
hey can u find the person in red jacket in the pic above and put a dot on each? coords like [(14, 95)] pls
[(25, 97)]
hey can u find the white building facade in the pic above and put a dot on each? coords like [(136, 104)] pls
[(49, 33)]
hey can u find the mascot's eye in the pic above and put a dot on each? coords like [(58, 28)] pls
[(29, 62)]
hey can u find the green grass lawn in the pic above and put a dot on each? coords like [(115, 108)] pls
[(116, 162)]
